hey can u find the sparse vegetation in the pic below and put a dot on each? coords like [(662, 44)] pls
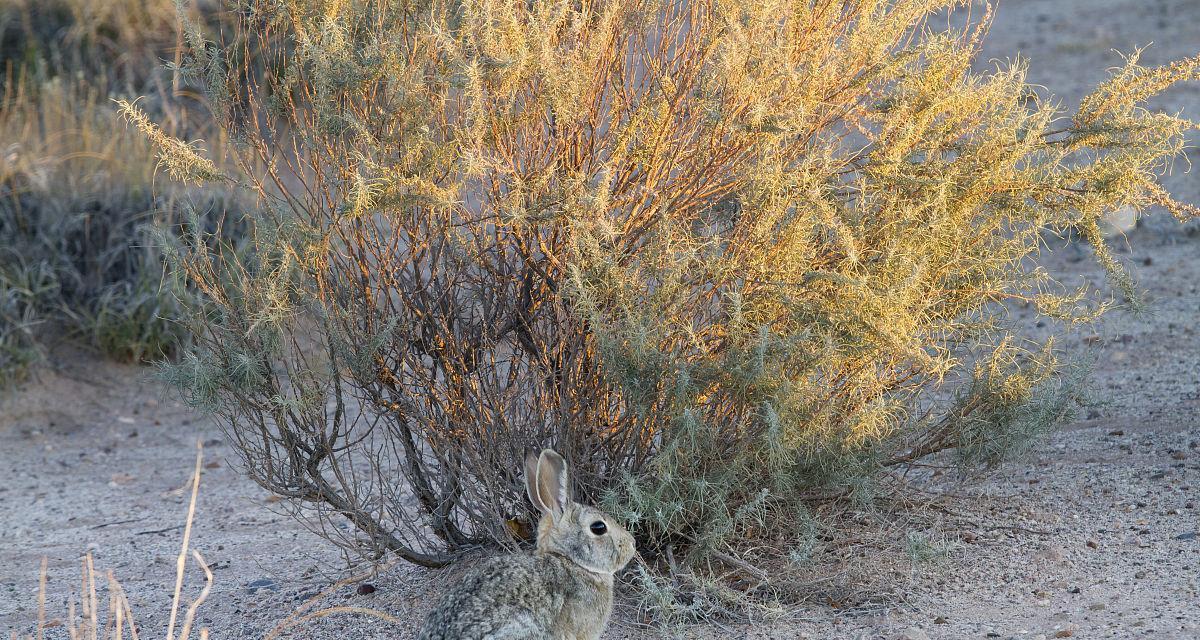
[(80, 200), (104, 611), (116, 45), (100, 609)]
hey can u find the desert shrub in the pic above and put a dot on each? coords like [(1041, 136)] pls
[(728, 257), (79, 212)]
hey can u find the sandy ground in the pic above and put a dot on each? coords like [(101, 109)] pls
[(1095, 536)]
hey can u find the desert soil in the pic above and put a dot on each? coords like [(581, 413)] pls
[(1095, 535)]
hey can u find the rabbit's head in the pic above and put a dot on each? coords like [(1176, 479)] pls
[(584, 535)]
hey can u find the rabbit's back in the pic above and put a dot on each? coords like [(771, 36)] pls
[(504, 597)]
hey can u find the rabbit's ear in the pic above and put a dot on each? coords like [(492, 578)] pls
[(531, 481), (553, 485)]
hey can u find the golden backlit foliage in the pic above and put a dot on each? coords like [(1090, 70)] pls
[(727, 256)]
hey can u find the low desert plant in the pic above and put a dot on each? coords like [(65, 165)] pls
[(729, 257), (79, 212), (79, 200), (118, 42)]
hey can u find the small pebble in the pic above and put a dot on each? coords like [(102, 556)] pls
[(262, 584)]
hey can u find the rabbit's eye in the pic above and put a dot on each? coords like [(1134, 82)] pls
[(599, 528)]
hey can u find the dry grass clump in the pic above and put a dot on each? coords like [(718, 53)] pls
[(80, 208), (117, 44), (734, 259), (80, 202)]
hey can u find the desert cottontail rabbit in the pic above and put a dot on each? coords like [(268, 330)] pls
[(563, 591)]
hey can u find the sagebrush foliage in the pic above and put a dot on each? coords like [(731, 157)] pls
[(728, 257)]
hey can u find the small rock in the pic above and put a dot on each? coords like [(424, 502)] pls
[(1092, 544), (1064, 633), (1116, 432), (1179, 455), (262, 584), (1191, 535), (213, 465), (1140, 575), (941, 620), (365, 589)]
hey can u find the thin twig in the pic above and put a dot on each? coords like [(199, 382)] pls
[(163, 530), (754, 571), (295, 615), (111, 524)]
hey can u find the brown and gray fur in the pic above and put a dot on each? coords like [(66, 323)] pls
[(563, 591)]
